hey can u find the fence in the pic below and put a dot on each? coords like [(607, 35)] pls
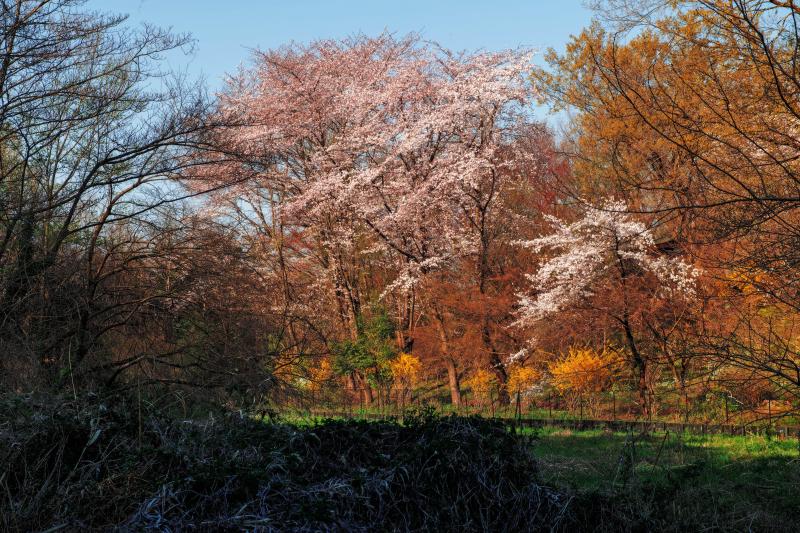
[(643, 426), (616, 410)]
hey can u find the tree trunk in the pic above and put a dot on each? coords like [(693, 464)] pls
[(455, 386), (350, 384), (679, 377), (639, 363), (500, 373), (495, 364), (366, 390), (484, 271), (452, 371), (640, 367)]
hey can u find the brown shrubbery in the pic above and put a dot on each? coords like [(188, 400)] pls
[(99, 463)]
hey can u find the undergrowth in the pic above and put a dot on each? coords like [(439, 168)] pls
[(99, 465)]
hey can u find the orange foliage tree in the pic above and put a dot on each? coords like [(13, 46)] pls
[(584, 372)]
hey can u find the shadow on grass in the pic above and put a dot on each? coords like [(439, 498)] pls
[(674, 482)]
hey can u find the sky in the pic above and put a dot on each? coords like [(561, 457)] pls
[(226, 31)]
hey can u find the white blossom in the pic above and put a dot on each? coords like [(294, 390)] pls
[(586, 251)]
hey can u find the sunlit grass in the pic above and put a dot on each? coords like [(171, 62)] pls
[(736, 476)]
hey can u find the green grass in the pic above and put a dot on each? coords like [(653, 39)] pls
[(739, 481)]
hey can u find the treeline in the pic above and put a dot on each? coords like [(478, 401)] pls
[(381, 220), (109, 274)]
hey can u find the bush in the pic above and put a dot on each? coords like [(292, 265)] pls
[(94, 464)]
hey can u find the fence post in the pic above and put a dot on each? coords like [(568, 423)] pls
[(686, 408), (726, 409), (769, 411), (613, 406)]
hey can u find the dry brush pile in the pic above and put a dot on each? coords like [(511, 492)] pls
[(98, 465)]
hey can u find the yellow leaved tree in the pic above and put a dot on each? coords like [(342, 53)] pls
[(405, 370), (522, 380), (583, 373), (483, 387)]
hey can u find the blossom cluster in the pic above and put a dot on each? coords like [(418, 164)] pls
[(391, 135), (607, 242)]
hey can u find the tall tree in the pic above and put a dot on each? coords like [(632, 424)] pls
[(606, 264), (381, 144)]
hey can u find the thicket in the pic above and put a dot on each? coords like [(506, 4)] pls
[(97, 464)]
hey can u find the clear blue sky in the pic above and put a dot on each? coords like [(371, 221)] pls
[(227, 30)]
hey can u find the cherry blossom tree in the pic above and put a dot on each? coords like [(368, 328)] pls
[(608, 263), (378, 145)]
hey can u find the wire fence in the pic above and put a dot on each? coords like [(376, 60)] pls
[(612, 410)]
